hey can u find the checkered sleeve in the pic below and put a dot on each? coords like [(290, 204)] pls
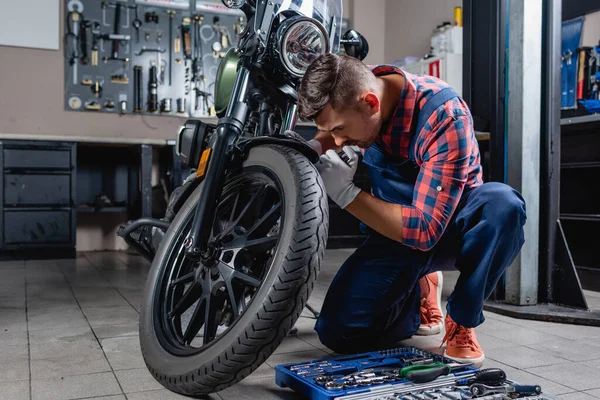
[(443, 150)]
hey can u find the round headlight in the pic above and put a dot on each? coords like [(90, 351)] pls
[(234, 3), (302, 41)]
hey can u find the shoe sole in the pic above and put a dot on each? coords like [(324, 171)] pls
[(435, 329), (476, 362)]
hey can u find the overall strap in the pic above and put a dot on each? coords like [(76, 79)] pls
[(429, 108)]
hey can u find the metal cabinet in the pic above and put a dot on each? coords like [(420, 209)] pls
[(37, 188)]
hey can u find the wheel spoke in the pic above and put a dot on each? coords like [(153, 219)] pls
[(213, 304), (196, 321), (247, 279), (191, 294), (233, 302), (187, 278), (264, 225), (249, 211)]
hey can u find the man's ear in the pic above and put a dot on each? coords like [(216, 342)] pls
[(371, 101)]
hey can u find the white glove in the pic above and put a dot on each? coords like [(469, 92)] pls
[(314, 144), (337, 176)]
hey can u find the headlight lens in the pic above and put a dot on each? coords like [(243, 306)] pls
[(302, 42), (234, 3)]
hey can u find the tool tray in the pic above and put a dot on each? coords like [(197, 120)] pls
[(302, 377), (305, 378)]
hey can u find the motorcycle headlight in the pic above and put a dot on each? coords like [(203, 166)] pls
[(235, 4), (300, 42)]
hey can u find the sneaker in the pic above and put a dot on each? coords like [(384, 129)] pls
[(462, 345), (432, 318)]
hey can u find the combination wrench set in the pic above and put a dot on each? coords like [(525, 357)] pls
[(406, 373), (157, 57)]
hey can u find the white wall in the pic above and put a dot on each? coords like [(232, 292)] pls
[(590, 34), (409, 25), (368, 18)]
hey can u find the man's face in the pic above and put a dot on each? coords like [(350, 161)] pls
[(356, 125)]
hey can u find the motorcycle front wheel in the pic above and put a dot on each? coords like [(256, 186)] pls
[(205, 326)]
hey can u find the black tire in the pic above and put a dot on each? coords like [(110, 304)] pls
[(279, 300)]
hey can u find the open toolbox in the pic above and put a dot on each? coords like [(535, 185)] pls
[(405, 373)]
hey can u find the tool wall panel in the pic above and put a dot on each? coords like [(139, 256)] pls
[(156, 57)]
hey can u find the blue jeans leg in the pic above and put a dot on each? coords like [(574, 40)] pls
[(488, 230), (372, 300)]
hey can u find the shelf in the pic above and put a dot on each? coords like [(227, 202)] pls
[(580, 120), (102, 210), (581, 217), (573, 165)]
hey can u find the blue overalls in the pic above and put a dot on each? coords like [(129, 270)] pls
[(374, 300)]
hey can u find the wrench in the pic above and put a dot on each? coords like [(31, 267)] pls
[(479, 389)]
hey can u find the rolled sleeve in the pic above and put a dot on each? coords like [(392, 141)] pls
[(440, 183)]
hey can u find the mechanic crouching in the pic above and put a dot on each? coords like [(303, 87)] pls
[(428, 207)]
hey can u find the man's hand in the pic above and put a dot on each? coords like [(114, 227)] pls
[(314, 144), (337, 176)]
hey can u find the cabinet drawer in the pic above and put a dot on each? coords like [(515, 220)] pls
[(37, 227), (37, 158), (28, 190)]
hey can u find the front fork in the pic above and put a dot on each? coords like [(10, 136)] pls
[(228, 129)]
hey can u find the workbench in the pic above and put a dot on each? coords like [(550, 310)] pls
[(47, 180)]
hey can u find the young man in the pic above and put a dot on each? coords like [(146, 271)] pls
[(428, 207)]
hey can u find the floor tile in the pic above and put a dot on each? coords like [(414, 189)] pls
[(524, 357), (116, 397), (577, 376), (522, 336), (594, 392), (13, 320), (100, 297), (263, 371), (56, 319), (137, 380), (577, 396), (123, 352), (101, 316), (164, 395), (14, 371), (263, 388), (75, 387), (292, 344), (569, 350), (302, 356), (10, 353), (60, 348), (572, 332), (69, 366), (67, 335), (488, 342), (13, 338), (111, 331), (15, 390)]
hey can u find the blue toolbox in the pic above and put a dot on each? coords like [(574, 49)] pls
[(405, 373)]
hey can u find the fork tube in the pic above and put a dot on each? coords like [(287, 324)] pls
[(228, 129), (291, 116)]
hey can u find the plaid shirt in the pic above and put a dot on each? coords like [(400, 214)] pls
[(446, 151)]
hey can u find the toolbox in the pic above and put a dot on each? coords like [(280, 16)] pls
[(405, 373)]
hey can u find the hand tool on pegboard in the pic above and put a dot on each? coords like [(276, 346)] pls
[(171, 15)]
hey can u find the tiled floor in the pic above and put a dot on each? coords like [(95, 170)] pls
[(68, 330)]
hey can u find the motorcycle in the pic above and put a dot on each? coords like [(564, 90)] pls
[(238, 252)]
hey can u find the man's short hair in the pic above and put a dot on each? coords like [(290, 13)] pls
[(338, 79)]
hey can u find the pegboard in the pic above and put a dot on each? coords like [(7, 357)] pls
[(179, 43)]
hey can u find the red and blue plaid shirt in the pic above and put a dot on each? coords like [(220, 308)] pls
[(446, 151)]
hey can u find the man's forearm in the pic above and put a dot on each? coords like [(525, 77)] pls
[(383, 217)]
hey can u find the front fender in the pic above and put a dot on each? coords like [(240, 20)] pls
[(303, 148)]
